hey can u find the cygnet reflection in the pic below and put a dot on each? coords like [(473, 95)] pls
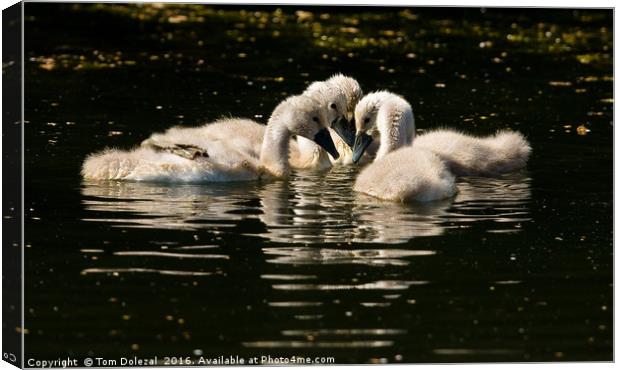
[(311, 207)]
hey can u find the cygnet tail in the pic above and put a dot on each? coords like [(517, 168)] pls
[(511, 151), (109, 164)]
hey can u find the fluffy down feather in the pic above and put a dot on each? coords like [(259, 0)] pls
[(405, 175), (468, 155)]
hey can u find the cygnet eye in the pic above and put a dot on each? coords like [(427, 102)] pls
[(366, 120), (315, 119), (333, 106)]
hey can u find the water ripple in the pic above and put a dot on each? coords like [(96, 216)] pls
[(116, 271), (295, 304), (305, 255), (377, 285), (343, 332), (168, 254), (301, 344), (312, 207)]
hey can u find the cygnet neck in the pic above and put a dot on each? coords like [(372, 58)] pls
[(275, 148), (395, 125)]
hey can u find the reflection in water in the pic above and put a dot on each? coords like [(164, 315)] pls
[(304, 255), (117, 271), (503, 201), (313, 222), (375, 285), (343, 333), (303, 333), (295, 304), (135, 204), (165, 254), (312, 208), (330, 344)]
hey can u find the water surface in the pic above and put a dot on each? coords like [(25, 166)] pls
[(515, 268)]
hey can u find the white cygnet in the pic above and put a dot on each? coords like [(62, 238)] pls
[(218, 156), (399, 172), (390, 117)]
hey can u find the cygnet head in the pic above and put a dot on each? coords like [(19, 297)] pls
[(330, 98), (366, 114), (305, 116), (351, 90), (334, 103)]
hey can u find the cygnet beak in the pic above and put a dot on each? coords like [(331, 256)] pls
[(342, 128), (362, 140), (325, 141)]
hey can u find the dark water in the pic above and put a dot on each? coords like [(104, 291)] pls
[(517, 268)]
